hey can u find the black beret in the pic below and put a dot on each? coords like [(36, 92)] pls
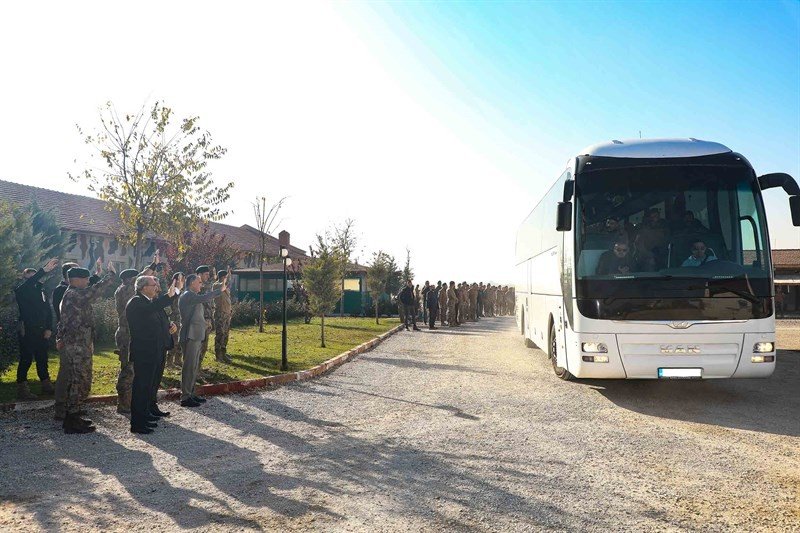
[(128, 273), (202, 268), (78, 272), (222, 273)]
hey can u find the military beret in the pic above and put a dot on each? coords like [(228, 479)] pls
[(222, 273), (202, 268), (128, 273), (78, 272)]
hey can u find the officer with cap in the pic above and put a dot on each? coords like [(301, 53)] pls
[(75, 341), (122, 336), (204, 273)]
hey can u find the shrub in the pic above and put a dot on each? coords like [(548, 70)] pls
[(9, 346), (245, 312), (105, 321)]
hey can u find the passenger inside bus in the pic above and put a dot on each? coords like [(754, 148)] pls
[(616, 261), (700, 255)]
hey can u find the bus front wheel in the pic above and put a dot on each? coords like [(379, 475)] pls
[(561, 372)]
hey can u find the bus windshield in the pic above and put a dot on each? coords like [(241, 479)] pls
[(661, 231)]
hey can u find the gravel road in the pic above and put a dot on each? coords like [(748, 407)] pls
[(436, 430)]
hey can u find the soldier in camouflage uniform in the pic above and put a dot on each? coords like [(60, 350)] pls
[(204, 272), (488, 295), (452, 305), (473, 302), (222, 318), (175, 355), (75, 340), (442, 303)]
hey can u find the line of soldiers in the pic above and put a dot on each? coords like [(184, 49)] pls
[(453, 303), (72, 304)]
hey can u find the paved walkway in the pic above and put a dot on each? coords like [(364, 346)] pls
[(450, 429)]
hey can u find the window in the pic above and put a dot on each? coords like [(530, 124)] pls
[(352, 284)]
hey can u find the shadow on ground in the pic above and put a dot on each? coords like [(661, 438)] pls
[(769, 405)]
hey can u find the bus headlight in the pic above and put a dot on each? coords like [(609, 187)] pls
[(764, 347), (594, 347)]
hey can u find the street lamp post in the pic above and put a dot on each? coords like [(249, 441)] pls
[(286, 262)]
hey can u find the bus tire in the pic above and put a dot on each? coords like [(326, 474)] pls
[(561, 372)]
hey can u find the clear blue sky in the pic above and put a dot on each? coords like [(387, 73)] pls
[(436, 126), (531, 83)]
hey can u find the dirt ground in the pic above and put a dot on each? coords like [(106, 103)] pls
[(445, 430)]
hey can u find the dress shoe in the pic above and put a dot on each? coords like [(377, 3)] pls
[(142, 430), (150, 425), (152, 418), (199, 399), (416, 328), (158, 412), (189, 403)]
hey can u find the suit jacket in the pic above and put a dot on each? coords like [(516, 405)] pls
[(149, 327), (193, 321)]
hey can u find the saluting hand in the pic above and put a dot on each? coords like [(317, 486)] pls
[(110, 267), (98, 266), (172, 328), (172, 289), (50, 265)]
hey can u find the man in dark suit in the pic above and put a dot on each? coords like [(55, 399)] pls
[(151, 337)]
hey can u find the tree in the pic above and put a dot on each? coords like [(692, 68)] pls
[(377, 277), (408, 274), (394, 276), (344, 244), (202, 247), (321, 281), (155, 174), (265, 222)]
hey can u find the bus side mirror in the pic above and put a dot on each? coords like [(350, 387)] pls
[(564, 216), (794, 206)]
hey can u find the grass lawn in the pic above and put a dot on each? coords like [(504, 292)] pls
[(254, 354)]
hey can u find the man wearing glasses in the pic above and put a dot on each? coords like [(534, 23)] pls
[(615, 261)]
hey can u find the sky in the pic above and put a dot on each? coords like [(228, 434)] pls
[(435, 126)]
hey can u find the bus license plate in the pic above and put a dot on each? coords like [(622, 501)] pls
[(680, 373)]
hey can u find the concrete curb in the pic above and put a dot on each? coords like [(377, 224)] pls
[(232, 387)]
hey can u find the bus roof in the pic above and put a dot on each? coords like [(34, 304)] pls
[(655, 148)]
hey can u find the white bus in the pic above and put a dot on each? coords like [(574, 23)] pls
[(651, 259)]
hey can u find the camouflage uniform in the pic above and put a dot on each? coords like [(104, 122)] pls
[(208, 314), (76, 333), (222, 321), (473, 302), (122, 337), (452, 307), (463, 304), (175, 355), (442, 304), (488, 301)]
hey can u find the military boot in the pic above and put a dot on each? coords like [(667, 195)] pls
[(24, 393), (74, 424), (47, 387)]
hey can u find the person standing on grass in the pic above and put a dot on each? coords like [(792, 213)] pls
[(35, 329), (174, 355), (75, 339), (204, 271), (150, 338), (407, 299), (222, 318), (193, 331)]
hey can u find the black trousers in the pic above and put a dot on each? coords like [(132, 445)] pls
[(157, 380), (145, 370), (433, 313), (32, 346)]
